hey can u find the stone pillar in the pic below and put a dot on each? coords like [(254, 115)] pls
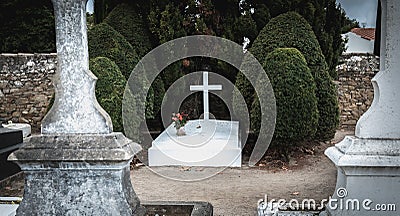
[(75, 108), (77, 166), (369, 162)]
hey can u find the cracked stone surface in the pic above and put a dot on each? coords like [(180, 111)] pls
[(75, 108)]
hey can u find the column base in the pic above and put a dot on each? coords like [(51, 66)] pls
[(78, 175), (368, 175)]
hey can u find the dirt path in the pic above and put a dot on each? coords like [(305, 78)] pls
[(235, 191)]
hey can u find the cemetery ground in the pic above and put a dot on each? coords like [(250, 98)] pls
[(235, 191)]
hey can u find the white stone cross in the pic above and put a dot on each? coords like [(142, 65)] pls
[(205, 88)]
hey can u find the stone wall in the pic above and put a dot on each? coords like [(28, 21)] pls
[(26, 87), (355, 88)]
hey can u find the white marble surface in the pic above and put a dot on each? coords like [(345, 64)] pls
[(205, 88), (382, 120), (26, 128), (9, 209), (75, 109), (207, 143)]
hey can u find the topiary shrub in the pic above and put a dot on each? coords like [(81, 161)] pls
[(127, 21), (296, 102), (292, 30), (109, 88), (104, 41)]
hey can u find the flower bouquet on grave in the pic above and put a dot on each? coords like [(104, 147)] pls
[(180, 119)]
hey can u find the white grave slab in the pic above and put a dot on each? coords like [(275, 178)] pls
[(213, 143), (9, 209), (26, 128)]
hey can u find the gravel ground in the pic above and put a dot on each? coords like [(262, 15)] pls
[(234, 191)]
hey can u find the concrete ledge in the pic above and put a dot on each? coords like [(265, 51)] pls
[(353, 151), (367, 169), (25, 128), (178, 208), (76, 147)]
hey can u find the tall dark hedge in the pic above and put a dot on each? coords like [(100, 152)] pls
[(104, 41), (109, 88), (107, 42), (126, 20), (294, 89), (159, 92), (27, 26), (290, 30)]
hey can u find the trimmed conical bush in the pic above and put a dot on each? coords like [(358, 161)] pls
[(110, 87), (291, 30), (294, 89)]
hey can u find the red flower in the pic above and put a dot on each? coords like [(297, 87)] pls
[(186, 63), (180, 119)]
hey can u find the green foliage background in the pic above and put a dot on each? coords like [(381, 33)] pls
[(124, 31), (125, 20), (294, 89), (27, 26), (104, 41), (298, 34), (109, 88), (107, 42)]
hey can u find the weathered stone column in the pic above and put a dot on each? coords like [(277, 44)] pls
[(77, 166), (369, 163)]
